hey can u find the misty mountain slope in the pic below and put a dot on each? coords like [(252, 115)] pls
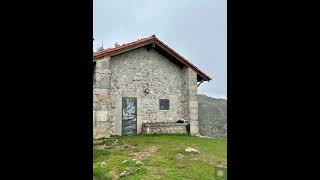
[(212, 116)]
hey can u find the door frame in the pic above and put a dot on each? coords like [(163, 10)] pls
[(136, 124)]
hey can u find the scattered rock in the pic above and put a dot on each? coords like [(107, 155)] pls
[(179, 156), (189, 149), (124, 161), (100, 147), (103, 164), (221, 165), (127, 173), (194, 159), (139, 163), (115, 142), (124, 173), (220, 173)]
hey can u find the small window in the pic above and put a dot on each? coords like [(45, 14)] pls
[(164, 104)]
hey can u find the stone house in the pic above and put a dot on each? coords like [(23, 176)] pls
[(144, 87)]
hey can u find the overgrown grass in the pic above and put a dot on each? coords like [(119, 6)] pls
[(162, 164)]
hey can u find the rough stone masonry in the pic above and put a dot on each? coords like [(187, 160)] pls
[(129, 74)]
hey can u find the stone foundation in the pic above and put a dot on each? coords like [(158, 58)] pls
[(164, 128)]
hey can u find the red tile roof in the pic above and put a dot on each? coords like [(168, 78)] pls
[(146, 41)]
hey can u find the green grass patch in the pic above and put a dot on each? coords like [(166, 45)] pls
[(168, 161)]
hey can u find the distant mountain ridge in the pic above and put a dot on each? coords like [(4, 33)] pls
[(212, 116)]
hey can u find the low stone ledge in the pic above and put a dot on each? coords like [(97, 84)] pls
[(164, 128)]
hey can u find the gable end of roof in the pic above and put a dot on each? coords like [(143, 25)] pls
[(158, 44)]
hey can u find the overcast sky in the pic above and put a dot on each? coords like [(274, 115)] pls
[(197, 30)]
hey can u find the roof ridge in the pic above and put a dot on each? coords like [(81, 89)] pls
[(129, 43), (138, 42)]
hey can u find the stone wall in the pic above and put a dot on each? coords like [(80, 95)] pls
[(192, 101), (139, 69), (102, 124), (128, 75), (164, 127)]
